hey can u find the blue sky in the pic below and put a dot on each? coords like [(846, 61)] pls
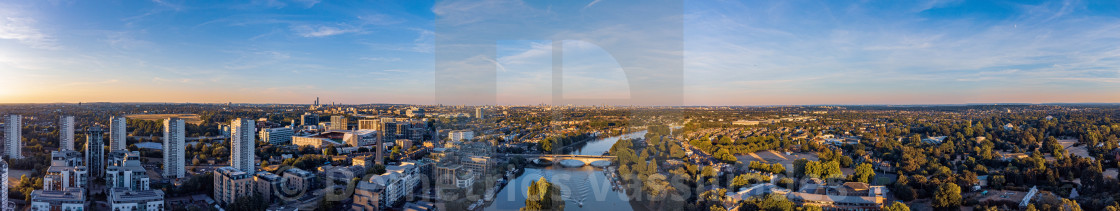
[(734, 52)]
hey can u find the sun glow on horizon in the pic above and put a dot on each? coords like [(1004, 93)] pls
[(7, 88)]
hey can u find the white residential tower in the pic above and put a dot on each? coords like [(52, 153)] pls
[(13, 137), (242, 141), (174, 149), (118, 133), (66, 133)]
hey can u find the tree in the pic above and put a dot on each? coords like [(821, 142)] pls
[(707, 172), (1069, 205), (772, 202), (716, 207), (542, 195), (897, 206), (947, 197), (376, 169), (250, 202), (864, 173), (799, 167)]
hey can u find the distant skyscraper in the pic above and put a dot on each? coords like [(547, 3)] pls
[(338, 123), (174, 148), (480, 113), (13, 136), (242, 141), (95, 152), (118, 133), (66, 133)]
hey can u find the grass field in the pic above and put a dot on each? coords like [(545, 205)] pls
[(189, 118)]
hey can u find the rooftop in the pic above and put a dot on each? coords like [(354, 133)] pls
[(123, 195), (794, 196), (68, 195)]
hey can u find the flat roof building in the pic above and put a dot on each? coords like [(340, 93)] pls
[(460, 135), (242, 142), (309, 119), (361, 138), (118, 133), (267, 185), (384, 190), (314, 141), (69, 199), (95, 151), (138, 200), (174, 148), (13, 136), (847, 196), (369, 124), (125, 171), (230, 184), (66, 133), (277, 136), (338, 123)]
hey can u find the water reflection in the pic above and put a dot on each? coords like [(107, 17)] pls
[(587, 184)]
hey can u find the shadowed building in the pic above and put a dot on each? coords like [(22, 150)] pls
[(95, 152)]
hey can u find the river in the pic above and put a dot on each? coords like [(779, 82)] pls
[(587, 184)]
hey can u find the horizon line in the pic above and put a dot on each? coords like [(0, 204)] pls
[(585, 105)]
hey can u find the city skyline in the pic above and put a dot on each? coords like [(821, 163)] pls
[(734, 53), (530, 105)]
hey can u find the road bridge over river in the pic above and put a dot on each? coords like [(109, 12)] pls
[(587, 159)]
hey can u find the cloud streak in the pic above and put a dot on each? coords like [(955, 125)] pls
[(313, 31), (1041, 47), (23, 29)]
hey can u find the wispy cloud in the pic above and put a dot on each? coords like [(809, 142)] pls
[(382, 59), (1040, 47), (536, 53), (306, 30), (592, 4), (424, 42), (83, 84), (160, 7), (126, 40), (379, 19), (169, 5), (309, 3), (460, 12), (181, 80), (284, 3), (24, 30)]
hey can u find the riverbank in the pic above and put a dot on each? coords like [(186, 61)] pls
[(587, 185)]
